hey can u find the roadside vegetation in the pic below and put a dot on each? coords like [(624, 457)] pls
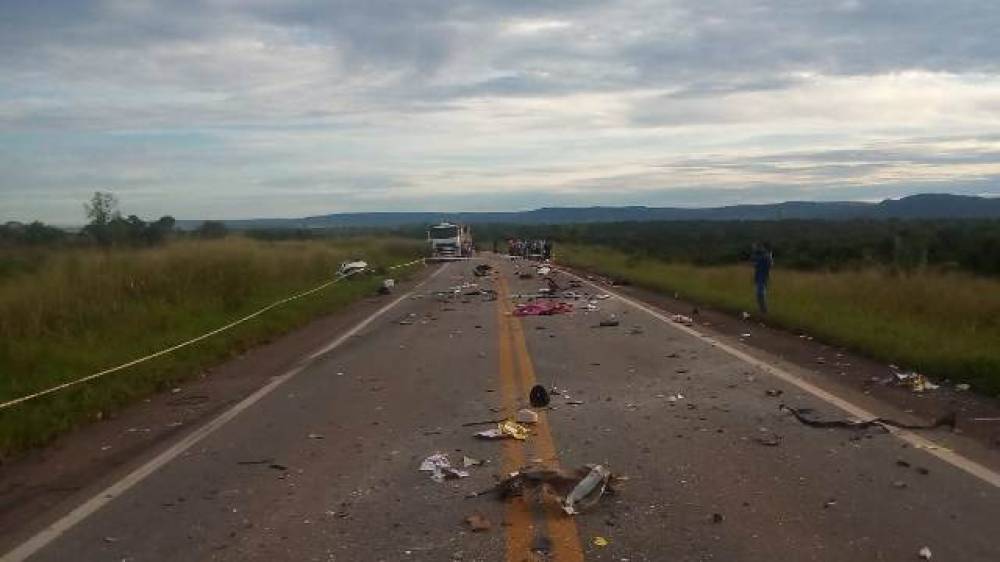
[(67, 311), (945, 324), (813, 245)]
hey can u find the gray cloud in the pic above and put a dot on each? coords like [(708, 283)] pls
[(187, 105)]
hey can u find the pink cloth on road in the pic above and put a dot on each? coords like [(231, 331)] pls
[(543, 308)]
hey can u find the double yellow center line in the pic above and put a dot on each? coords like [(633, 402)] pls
[(534, 531)]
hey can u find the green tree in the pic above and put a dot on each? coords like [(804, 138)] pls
[(102, 210)]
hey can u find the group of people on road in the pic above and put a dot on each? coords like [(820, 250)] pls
[(530, 248)]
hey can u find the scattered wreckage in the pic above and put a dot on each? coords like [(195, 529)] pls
[(352, 267), (804, 416), (575, 490)]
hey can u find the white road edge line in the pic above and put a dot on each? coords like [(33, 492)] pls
[(44, 537), (917, 441)]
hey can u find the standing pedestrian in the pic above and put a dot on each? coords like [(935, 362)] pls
[(762, 261)]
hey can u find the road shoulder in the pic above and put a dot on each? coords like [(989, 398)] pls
[(47, 482), (840, 371)]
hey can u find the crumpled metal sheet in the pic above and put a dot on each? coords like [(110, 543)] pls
[(440, 468), (506, 429)]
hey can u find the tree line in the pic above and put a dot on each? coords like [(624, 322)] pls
[(971, 245), (107, 226)]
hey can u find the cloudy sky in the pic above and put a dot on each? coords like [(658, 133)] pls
[(248, 108)]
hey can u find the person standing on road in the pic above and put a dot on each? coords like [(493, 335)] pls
[(762, 261)]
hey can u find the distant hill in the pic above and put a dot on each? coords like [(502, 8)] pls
[(925, 206)]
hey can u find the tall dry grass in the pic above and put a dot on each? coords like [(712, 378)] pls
[(82, 310), (945, 324)]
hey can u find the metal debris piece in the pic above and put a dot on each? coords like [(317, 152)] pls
[(914, 381), (506, 429), (352, 267), (440, 468)]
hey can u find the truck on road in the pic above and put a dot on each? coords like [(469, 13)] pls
[(449, 241)]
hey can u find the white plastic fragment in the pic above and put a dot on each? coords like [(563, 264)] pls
[(526, 415), (925, 553), (440, 468), (596, 480)]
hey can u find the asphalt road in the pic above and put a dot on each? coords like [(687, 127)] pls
[(324, 464)]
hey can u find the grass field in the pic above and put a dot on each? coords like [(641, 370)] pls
[(945, 325), (78, 311)]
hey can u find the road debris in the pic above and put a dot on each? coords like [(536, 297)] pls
[(576, 490), (591, 486), (600, 541), (261, 461), (803, 415), (315, 436), (190, 400), (387, 286), (478, 523), (525, 415), (440, 468), (681, 319), (482, 270), (353, 266), (609, 322), (913, 380), (538, 396), (542, 308), (774, 392), (924, 553), (506, 429), (468, 462)]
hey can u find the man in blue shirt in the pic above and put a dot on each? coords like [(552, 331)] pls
[(762, 262)]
